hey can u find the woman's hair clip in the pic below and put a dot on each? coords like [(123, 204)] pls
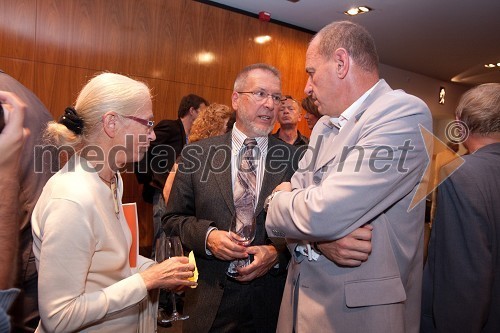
[(71, 120)]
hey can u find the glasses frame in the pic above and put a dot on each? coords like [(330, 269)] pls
[(262, 98), (148, 123)]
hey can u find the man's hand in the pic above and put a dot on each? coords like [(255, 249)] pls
[(13, 134), (223, 248), (265, 257), (351, 250), (285, 186)]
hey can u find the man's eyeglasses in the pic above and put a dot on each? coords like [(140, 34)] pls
[(148, 123), (260, 95)]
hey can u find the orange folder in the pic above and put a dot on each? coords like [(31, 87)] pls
[(130, 212)]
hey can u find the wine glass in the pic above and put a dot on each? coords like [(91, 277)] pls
[(242, 232), (168, 247)]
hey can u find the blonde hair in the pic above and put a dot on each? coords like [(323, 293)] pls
[(103, 93), (210, 122)]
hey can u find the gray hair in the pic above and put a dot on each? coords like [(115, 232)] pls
[(479, 109), (241, 78)]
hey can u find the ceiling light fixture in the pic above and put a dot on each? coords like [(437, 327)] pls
[(357, 10), (262, 39), (491, 65)]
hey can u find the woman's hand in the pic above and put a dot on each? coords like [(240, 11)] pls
[(171, 274)]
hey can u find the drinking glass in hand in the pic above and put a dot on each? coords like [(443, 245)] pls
[(168, 247), (242, 233)]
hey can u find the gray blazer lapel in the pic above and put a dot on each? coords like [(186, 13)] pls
[(325, 139), (336, 143), (222, 172), (271, 179)]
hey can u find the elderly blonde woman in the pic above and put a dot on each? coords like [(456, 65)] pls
[(211, 121), (81, 238)]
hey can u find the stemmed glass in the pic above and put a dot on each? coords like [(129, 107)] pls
[(168, 247), (241, 232)]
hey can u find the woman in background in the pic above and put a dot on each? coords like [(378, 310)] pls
[(214, 120), (312, 114), (81, 238), (211, 121)]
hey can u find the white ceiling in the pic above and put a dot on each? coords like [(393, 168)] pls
[(449, 40)]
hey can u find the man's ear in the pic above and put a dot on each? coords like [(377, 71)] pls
[(234, 100), (110, 123), (342, 61)]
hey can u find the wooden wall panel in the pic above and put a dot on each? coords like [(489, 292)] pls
[(55, 46), (21, 70), (17, 29), (58, 86)]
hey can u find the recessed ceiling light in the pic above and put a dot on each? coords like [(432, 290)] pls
[(262, 39), (357, 10), (489, 65)]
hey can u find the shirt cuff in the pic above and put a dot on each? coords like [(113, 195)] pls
[(7, 297), (207, 251), (308, 251)]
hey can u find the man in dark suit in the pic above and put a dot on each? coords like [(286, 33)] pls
[(461, 285), (201, 206), (34, 173), (171, 136)]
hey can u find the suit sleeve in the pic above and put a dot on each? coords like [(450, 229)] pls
[(384, 166), (164, 151), (460, 254)]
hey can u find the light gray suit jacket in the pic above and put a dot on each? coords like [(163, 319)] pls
[(338, 189)]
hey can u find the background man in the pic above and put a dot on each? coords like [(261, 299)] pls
[(461, 290), (206, 195), (12, 136), (288, 117), (25, 311), (366, 162)]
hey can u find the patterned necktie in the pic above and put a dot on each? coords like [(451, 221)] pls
[(244, 187)]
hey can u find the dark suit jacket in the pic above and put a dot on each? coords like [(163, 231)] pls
[(461, 286), (32, 182), (153, 169), (202, 197)]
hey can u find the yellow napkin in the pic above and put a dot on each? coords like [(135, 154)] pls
[(193, 261)]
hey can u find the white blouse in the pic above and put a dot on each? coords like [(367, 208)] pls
[(81, 245)]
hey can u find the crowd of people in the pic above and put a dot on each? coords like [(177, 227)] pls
[(289, 233)]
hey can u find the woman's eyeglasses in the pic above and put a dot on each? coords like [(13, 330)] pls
[(148, 123)]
